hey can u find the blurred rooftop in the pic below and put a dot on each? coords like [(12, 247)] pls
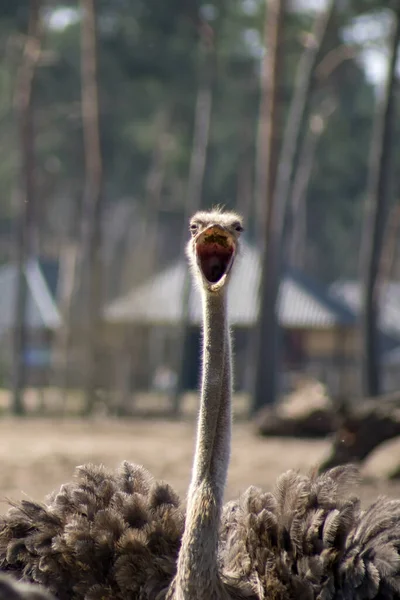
[(303, 302)]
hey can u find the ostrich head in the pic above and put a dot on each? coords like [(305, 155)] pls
[(213, 247)]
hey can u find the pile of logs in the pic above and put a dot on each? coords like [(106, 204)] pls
[(357, 427), (362, 428), (306, 412)]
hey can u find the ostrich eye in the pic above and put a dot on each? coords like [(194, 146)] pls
[(237, 227), (193, 228)]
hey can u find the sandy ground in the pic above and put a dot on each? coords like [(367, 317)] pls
[(37, 455)]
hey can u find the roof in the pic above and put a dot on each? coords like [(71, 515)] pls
[(41, 307), (349, 292), (302, 302), (50, 271), (391, 358)]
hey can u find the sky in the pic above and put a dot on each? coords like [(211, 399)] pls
[(366, 30), (370, 32), (60, 18)]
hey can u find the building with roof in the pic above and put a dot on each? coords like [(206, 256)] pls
[(42, 315), (302, 301), (350, 293), (318, 327)]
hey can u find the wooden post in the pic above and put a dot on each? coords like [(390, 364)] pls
[(267, 162), (378, 190), (26, 222), (268, 345), (202, 119), (92, 200)]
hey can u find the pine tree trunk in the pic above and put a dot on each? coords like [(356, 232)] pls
[(378, 189), (269, 133), (26, 223), (266, 172), (62, 340), (268, 343), (202, 119), (127, 362), (387, 265), (92, 201), (244, 189), (154, 185), (298, 239)]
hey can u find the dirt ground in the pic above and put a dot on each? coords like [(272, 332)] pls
[(37, 455)]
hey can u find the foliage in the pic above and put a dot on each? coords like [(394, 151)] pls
[(150, 58)]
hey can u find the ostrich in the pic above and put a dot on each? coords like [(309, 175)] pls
[(123, 536)]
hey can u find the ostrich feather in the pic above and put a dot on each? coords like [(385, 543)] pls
[(117, 536), (102, 535)]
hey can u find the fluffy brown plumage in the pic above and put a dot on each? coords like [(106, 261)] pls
[(310, 539), (117, 536), (104, 535)]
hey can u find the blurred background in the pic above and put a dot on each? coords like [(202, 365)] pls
[(118, 120)]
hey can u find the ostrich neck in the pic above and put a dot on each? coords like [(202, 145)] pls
[(197, 575)]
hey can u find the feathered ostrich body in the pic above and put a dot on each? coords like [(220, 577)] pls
[(125, 536)]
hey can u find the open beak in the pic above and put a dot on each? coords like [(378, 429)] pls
[(215, 253)]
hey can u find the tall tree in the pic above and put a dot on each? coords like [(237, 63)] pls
[(378, 191), (268, 363), (92, 199), (198, 157), (153, 190), (297, 247), (63, 336), (269, 131), (267, 153), (26, 222), (390, 248)]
